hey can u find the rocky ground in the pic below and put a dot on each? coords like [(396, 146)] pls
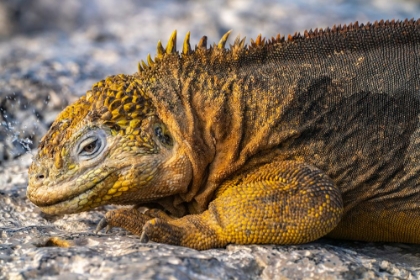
[(52, 51)]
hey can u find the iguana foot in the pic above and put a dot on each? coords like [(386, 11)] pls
[(160, 231), (130, 219), (194, 231)]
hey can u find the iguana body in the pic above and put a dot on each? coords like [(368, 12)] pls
[(281, 142)]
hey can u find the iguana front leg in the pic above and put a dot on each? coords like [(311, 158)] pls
[(280, 203)]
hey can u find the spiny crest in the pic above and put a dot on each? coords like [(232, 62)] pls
[(259, 42), (341, 29), (186, 48), (238, 45)]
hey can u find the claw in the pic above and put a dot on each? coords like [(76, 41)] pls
[(103, 224), (144, 238)]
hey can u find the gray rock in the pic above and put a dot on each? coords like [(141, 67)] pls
[(26, 250), (51, 52)]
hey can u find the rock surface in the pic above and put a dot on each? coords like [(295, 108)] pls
[(52, 51), (27, 250)]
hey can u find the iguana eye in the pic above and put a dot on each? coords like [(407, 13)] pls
[(91, 144), (91, 147), (163, 137)]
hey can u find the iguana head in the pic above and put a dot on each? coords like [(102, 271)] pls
[(108, 147)]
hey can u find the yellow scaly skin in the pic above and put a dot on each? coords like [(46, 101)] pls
[(212, 150)]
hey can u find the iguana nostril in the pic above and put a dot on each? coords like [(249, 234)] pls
[(40, 176)]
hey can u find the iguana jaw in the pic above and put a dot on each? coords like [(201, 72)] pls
[(105, 184), (77, 192), (132, 184), (77, 203)]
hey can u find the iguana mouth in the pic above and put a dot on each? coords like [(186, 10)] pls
[(71, 204), (75, 195)]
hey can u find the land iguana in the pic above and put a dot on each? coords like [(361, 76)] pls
[(282, 141)]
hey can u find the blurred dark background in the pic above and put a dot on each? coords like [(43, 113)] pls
[(33, 16)]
